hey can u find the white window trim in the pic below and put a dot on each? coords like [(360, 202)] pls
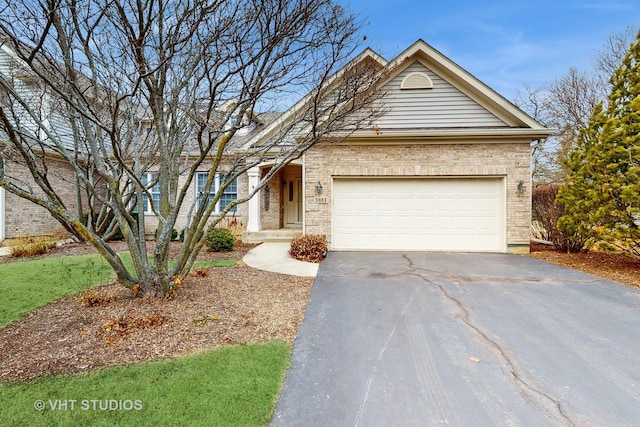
[(150, 176), (214, 190)]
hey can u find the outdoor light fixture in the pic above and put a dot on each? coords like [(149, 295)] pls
[(521, 188), (318, 188)]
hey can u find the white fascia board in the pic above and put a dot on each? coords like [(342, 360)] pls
[(6, 49)]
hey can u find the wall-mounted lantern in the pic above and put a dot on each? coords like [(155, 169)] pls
[(318, 188), (522, 188)]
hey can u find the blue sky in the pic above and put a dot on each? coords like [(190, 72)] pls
[(506, 44)]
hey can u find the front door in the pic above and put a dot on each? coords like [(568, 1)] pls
[(293, 200)]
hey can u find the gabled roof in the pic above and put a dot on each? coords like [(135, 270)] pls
[(285, 118), (466, 82), (514, 123)]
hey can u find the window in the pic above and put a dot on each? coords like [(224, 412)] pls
[(229, 194), (154, 191)]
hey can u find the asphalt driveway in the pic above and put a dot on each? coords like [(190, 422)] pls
[(420, 339)]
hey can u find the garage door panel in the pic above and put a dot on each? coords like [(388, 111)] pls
[(419, 214)]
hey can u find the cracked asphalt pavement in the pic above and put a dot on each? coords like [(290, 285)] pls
[(415, 339)]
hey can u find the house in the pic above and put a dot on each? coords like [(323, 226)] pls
[(20, 217), (446, 167)]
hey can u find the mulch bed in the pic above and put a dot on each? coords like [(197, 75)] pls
[(215, 307), (609, 265)]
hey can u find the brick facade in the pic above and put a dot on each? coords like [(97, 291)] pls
[(323, 162), (24, 218), (271, 196), (451, 159), (151, 222)]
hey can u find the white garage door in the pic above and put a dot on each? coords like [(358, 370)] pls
[(433, 214)]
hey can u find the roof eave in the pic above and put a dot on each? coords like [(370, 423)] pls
[(299, 106), (463, 135)]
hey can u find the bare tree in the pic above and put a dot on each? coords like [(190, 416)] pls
[(609, 58), (138, 86), (566, 105), (543, 151)]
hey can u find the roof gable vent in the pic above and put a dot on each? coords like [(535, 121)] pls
[(416, 81)]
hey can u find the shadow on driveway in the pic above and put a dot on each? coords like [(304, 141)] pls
[(462, 339)]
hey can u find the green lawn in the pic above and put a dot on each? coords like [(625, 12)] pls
[(27, 285), (233, 386)]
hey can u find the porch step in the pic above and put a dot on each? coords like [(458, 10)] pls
[(280, 235)]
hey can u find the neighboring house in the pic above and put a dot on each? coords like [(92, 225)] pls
[(20, 217), (446, 167)]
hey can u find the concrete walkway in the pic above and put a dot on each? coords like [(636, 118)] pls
[(274, 256)]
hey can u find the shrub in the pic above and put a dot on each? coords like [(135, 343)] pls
[(310, 247), (546, 212), (174, 234), (31, 246), (220, 240)]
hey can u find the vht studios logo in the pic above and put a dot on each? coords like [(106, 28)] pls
[(88, 405)]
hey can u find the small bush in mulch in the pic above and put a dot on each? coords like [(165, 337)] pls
[(309, 248), (220, 240), (235, 227)]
